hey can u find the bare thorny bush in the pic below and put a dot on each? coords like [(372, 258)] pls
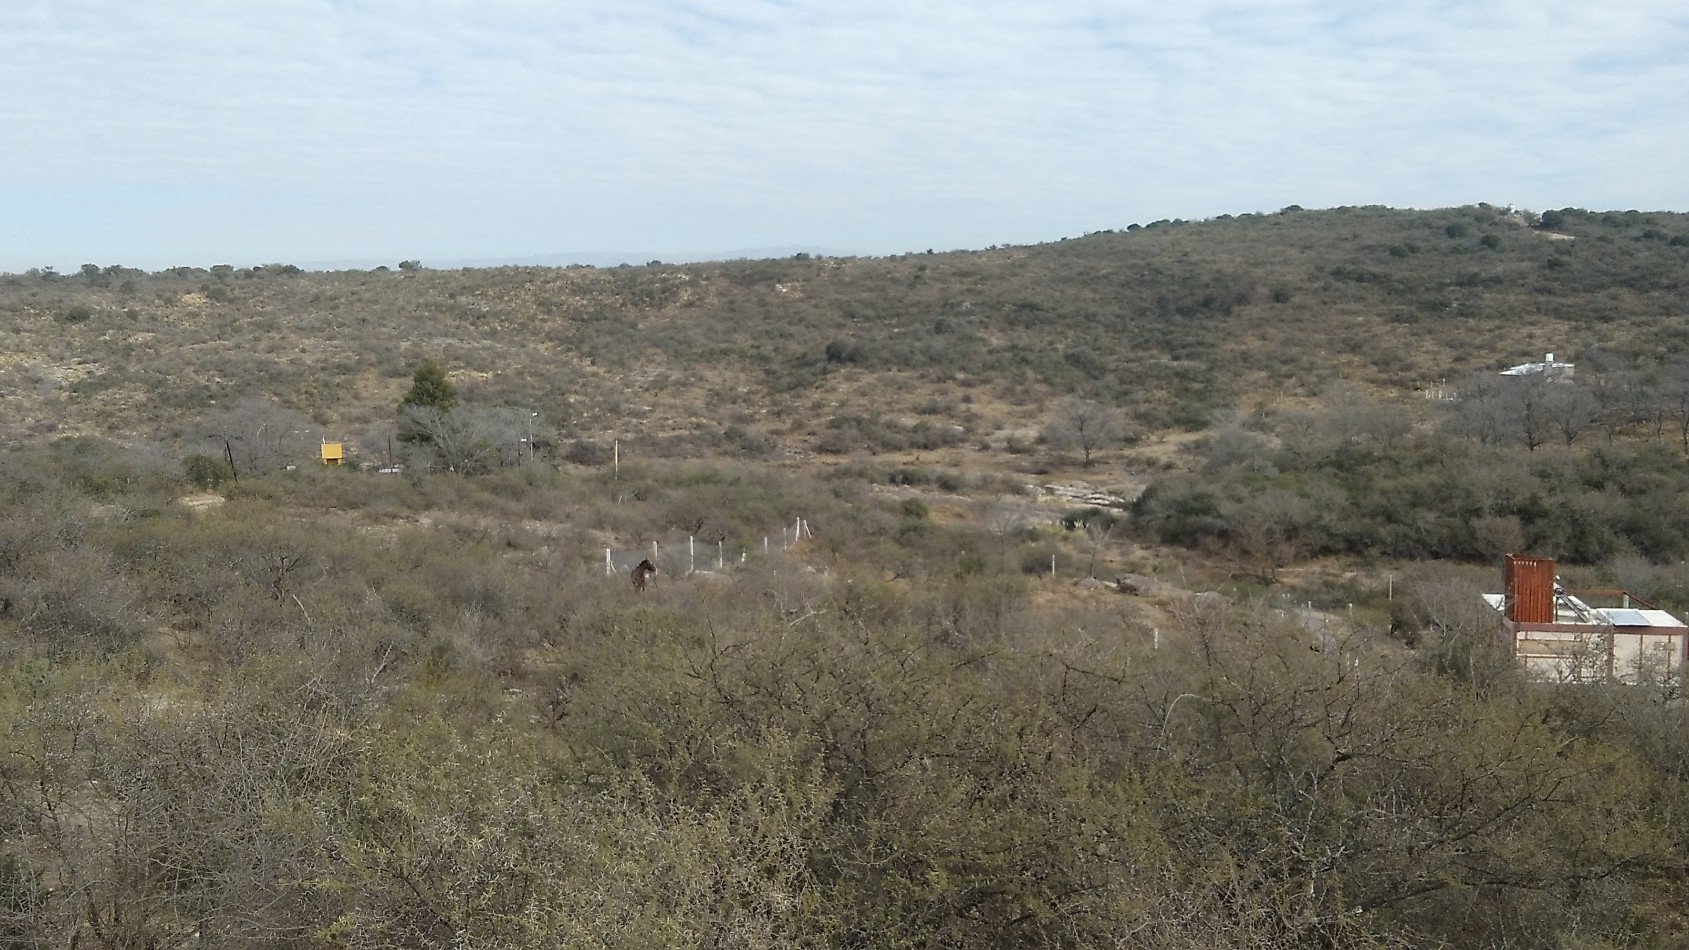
[(533, 756)]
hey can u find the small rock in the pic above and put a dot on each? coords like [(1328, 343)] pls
[(1138, 585)]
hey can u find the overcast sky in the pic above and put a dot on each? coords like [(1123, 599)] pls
[(152, 133)]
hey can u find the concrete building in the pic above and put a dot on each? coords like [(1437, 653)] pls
[(1550, 368), (1584, 636)]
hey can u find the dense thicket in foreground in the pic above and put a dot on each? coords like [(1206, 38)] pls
[(831, 783), (350, 711)]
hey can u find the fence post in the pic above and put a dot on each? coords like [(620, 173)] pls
[(691, 557), (609, 568), (653, 552), (721, 555)]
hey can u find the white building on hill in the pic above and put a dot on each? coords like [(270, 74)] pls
[(1549, 368)]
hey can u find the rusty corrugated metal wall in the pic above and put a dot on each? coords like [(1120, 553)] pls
[(1530, 589)]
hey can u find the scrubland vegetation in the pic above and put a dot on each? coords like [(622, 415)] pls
[(248, 706)]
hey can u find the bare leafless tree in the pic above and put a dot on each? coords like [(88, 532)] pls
[(1528, 402), (1574, 409), (1085, 426), (258, 436), (1266, 530), (467, 441), (1480, 412)]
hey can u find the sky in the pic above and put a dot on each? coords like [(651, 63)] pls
[(155, 133)]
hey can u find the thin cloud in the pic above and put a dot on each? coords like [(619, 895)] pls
[(312, 130)]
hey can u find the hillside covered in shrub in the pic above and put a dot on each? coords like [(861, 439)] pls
[(1130, 596), (1170, 322)]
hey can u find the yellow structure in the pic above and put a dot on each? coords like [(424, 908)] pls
[(334, 453)]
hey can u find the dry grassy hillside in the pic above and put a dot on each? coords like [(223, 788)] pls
[(1261, 705), (1169, 322)]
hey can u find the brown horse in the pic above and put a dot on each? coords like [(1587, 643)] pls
[(643, 573)]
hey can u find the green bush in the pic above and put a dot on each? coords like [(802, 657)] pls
[(206, 471), (1035, 557)]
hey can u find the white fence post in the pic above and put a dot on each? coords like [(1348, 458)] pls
[(800, 529)]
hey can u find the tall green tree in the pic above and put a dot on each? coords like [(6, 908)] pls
[(430, 389)]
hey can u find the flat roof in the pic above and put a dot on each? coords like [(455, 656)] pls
[(1571, 610), (1630, 617)]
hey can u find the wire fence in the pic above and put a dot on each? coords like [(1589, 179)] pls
[(678, 556)]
